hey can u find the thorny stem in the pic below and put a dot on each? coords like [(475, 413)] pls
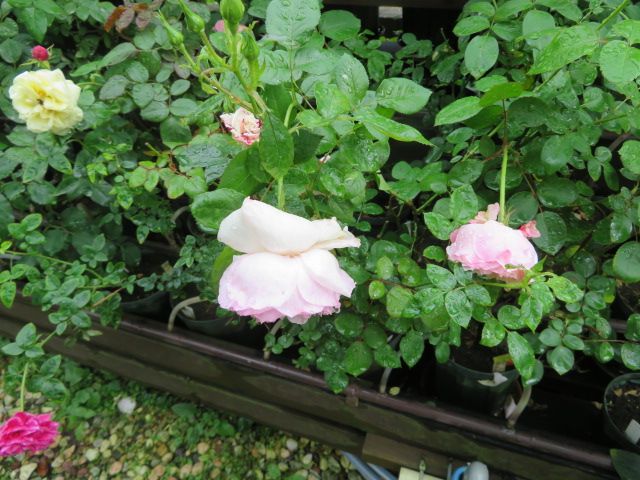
[(23, 385), (614, 14), (503, 172), (281, 198)]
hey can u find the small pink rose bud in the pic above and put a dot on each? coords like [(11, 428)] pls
[(40, 53)]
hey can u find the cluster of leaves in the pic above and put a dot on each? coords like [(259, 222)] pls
[(555, 84), (548, 81)]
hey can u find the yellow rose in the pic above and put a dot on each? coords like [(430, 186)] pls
[(46, 101)]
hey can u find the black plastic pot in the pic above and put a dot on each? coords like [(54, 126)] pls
[(460, 385), (155, 305), (611, 429), (200, 317)]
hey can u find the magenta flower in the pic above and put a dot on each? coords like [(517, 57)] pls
[(491, 248), (243, 125), (26, 432), (40, 53), (288, 269)]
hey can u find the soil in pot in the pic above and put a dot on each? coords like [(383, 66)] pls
[(469, 379), (622, 411)]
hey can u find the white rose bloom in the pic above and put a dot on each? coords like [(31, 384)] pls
[(46, 101)]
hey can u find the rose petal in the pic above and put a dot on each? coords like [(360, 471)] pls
[(259, 227)]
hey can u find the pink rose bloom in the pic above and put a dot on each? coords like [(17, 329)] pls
[(242, 125), (27, 432), (287, 270), (491, 248), (219, 26)]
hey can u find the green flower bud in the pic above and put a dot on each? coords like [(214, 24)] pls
[(232, 11), (250, 48), (175, 37), (195, 23)]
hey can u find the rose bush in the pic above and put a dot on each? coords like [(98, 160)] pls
[(158, 125)]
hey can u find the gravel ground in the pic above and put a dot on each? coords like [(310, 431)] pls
[(162, 438)]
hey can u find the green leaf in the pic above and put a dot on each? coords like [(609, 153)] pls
[(351, 77), (573, 342), (438, 225), (397, 300), (398, 131), (118, 54), (619, 62), (478, 295), (330, 100), (568, 45), (627, 464), (565, 290), (510, 317), (402, 95), (12, 349), (464, 204), (374, 336), (630, 155), (633, 328), (493, 333), (11, 50), (630, 353), (501, 92), (339, 25), (522, 354), (460, 110), (377, 290), (458, 307), (471, 25), (553, 232), (550, 337), (142, 94), (275, 147), (155, 111), (387, 357), (348, 324), (534, 22), (357, 359), (411, 347), (238, 174), (629, 29), (626, 262), (27, 335), (481, 54), (561, 359), (441, 277), (8, 293), (556, 153), (210, 208), (34, 21), (289, 22), (174, 133)]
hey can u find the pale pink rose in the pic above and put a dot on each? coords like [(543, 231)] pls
[(530, 230), (491, 248), (287, 270), (219, 26), (242, 125), (27, 432)]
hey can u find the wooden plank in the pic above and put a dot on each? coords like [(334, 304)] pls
[(316, 402), (389, 453), (262, 412)]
